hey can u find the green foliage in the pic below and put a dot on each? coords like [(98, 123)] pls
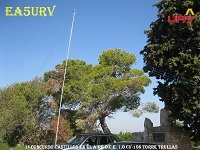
[(179, 123), (125, 136), (19, 105), (196, 145), (3, 145), (99, 91), (173, 48), (137, 113), (151, 107)]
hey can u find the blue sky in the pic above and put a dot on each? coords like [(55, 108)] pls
[(30, 46)]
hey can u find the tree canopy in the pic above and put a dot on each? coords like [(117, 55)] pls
[(19, 105), (172, 55), (97, 92)]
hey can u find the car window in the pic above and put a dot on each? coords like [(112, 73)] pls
[(76, 140), (91, 141), (113, 139), (103, 140)]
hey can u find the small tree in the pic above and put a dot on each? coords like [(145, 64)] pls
[(64, 131), (19, 104)]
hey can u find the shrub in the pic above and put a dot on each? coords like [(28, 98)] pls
[(125, 136), (4, 146)]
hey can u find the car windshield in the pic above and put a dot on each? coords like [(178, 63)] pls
[(76, 140)]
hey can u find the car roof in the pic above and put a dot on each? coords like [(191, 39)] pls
[(96, 134)]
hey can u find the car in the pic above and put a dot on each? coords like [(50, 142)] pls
[(130, 145), (88, 141)]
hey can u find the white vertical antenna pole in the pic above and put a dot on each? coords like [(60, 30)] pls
[(63, 83)]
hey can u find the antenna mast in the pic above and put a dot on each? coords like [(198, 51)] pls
[(63, 83)]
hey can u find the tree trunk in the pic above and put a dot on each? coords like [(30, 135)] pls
[(104, 126)]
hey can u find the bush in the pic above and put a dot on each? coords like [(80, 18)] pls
[(125, 136), (4, 146)]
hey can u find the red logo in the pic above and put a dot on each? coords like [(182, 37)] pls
[(188, 17)]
